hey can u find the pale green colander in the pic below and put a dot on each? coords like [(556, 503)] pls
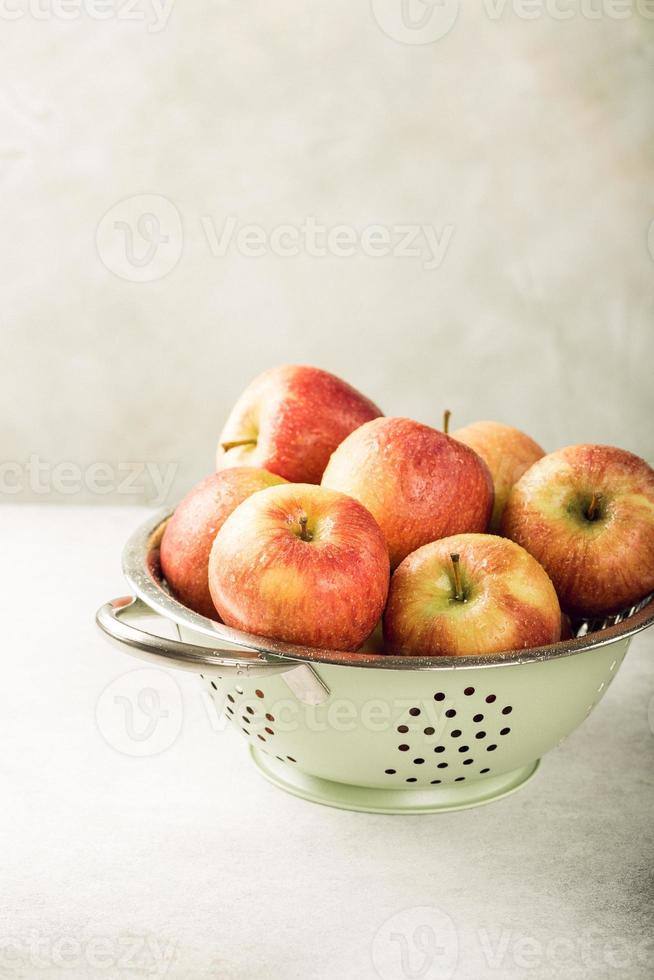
[(370, 731)]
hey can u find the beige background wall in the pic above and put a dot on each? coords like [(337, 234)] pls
[(525, 145)]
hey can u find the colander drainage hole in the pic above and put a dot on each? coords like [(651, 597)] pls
[(482, 771), (435, 781), (507, 710), (477, 718), (429, 731), (246, 719), (238, 689), (450, 713), (259, 693), (403, 747), (468, 762), (390, 772), (269, 730), (442, 765), (468, 691), (464, 748), (213, 684), (414, 711), (270, 717), (250, 710), (230, 698), (412, 779), (261, 737), (455, 733), (439, 697), (290, 758), (504, 731), (480, 735), (403, 729), (491, 748), (490, 699), (439, 748), (418, 762)]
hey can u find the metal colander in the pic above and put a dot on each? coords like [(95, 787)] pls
[(372, 731)]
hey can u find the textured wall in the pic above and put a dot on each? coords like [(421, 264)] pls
[(523, 145)]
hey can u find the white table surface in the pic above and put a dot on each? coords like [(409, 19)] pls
[(186, 863)]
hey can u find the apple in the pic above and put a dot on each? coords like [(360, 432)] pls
[(189, 534), (289, 420), (586, 513), (419, 484), (507, 452), (470, 595), (303, 564)]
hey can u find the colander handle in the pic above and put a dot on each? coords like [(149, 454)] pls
[(188, 656)]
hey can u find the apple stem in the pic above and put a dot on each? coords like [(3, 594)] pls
[(458, 585), (446, 421), (305, 534), (226, 446), (591, 513)]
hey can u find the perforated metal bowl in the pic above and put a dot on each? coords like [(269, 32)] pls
[(372, 731)]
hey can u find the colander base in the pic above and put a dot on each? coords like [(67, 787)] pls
[(369, 800)]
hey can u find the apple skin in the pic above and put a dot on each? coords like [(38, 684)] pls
[(189, 534), (510, 602), (418, 483), (598, 566), (326, 592), (297, 416), (507, 452)]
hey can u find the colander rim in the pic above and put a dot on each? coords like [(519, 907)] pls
[(140, 561)]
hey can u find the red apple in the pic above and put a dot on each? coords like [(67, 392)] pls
[(189, 534), (587, 514), (303, 564), (507, 452), (418, 483), (470, 594), (289, 420)]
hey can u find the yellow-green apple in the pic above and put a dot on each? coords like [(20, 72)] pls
[(586, 513), (507, 452), (419, 484), (189, 534), (470, 594), (289, 420), (303, 564)]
